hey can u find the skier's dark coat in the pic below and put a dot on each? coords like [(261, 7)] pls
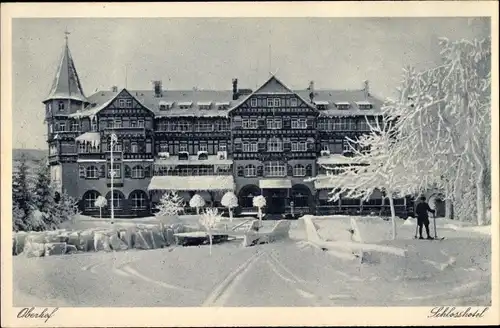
[(422, 210)]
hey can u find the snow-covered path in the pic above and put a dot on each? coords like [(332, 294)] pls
[(280, 274)]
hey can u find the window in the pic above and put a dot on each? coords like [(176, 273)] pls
[(275, 169), (128, 103), (274, 144), (133, 123), (138, 199), (134, 148), (51, 129), (222, 147), (116, 170), (140, 123), (117, 124), (249, 123), (117, 199), (299, 146), (343, 105), (293, 102), (137, 172), (90, 198), (224, 126), (75, 126), (269, 102), (82, 147), (61, 106), (299, 123), (203, 126), (253, 102), (184, 126), (346, 148), (93, 125), (250, 147), (92, 172), (203, 147), (299, 170), (183, 147), (61, 126), (274, 123), (49, 108), (250, 171), (276, 102)]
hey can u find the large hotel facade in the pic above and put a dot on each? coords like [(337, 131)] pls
[(267, 141)]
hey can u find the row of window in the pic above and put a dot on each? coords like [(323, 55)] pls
[(275, 145), (138, 199), (193, 148), (271, 123), (343, 124), (191, 171), (186, 126), (273, 102), (94, 172), (274, 169)]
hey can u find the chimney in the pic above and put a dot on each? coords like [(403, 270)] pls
[(235, 89), (366, 88), (157, 89), (114, 88), (311, 91)]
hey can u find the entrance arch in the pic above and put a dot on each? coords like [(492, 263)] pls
[(301, 196), (246, 195)]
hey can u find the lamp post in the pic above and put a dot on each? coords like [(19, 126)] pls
[(114, 140)]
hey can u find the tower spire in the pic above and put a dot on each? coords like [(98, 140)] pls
[(66, 84)]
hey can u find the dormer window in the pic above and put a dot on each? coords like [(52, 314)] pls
[(204, 105), (61, 106), (321, 105), (269, 102), (293, 102), (128, 103), (343, 105), (276, 102), (222, 105), (364, 105), (253, 102), (164, 105), (185, 105)]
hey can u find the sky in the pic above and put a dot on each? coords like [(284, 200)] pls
[(207, 53)]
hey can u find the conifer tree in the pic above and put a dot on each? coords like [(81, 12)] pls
[(21, 197)]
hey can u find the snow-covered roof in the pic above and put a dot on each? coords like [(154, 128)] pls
[(223, 103), (66, 83), (275, 183), (321, 102), (93, 137), (342, 103), (204, 103), (334, 159), (193, 160), (363, 103), (186, 103), (195, 183), (324, 182), (165, 103)]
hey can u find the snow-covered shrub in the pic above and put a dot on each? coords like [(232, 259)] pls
[(209, 220), (100, 202), (259, 202), (197, 202), (230, 201), (169, 207)]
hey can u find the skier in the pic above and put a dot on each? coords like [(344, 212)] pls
[(421, 211)]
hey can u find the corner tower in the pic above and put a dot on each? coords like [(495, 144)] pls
[(65, 97)]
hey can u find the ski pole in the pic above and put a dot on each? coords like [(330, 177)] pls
[(435, 230)]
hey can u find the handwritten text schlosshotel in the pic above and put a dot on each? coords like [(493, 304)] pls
[(453, 312)]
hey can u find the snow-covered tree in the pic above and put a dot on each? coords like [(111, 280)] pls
[(209, 220), (100, 202), (372, 167), (259, 202), (43, 196), (171, 204), (21, 196), (443, 125), (197, 202), (230, 201), (66, 209)]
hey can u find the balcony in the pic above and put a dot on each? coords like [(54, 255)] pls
[(127, 132), (64, 135), (91, 156), (137, 155)]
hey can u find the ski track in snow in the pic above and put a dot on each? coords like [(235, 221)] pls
[(224, 290), (128, 270)]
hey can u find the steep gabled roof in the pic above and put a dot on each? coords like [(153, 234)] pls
[(274, 86), (66, 84)]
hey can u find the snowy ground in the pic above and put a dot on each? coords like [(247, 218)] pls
[(455, 271)]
